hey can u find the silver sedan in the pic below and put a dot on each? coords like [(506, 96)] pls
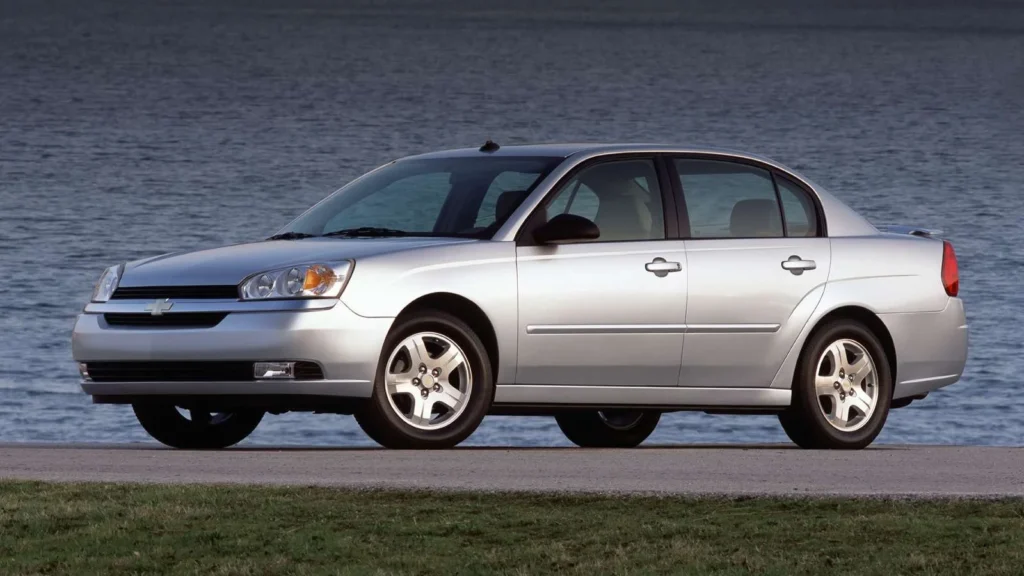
[(600, 284)]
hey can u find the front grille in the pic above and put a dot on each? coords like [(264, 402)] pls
[(176, 293), (187, 371), (172, 320)]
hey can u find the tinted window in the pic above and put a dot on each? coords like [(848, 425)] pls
[(576, 198), (622, 197), (498, 201), (427, 192), (463, 196), (798, 208), (729, 200)]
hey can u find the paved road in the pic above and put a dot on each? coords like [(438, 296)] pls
[(733, 470)]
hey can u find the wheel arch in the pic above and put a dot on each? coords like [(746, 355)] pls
[(787, 371), (868, 319), (466, 310)]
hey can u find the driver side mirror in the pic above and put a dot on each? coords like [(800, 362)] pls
[(566, 228)]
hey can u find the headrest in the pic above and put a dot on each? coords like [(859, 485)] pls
[(507, 202), (612, 181), (755, 219)]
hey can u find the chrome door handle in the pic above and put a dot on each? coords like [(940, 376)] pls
[(661, 268), (797, 266)]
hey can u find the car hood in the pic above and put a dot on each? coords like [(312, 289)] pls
[(232, 264)]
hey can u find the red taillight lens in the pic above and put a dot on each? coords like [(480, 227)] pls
[(950, 273)]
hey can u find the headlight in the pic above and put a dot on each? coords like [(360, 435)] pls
[(107, 284), (305, 281)]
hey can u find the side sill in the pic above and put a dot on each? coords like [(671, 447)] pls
[(641, 396)]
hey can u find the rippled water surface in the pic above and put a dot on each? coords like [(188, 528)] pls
[(129, 129)]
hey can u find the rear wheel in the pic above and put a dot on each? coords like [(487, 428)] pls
[(196, 429), (842, 390), (433, 386), (608, 428)]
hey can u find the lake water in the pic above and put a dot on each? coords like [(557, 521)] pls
[(130, 130)]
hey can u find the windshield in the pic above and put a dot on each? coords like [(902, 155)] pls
[(468, 197)]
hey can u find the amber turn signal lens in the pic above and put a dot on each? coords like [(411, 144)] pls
[(302, 281), (318, 279)]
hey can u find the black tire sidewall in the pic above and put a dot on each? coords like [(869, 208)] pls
[(387, 428), (167, 426), (817, 432), (587, 429)]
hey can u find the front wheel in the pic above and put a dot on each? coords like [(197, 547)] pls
[(608, 428), (433, 387), (842, 389), (195, 428)]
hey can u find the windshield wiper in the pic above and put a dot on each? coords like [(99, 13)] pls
[(291, 236), (369, 231)]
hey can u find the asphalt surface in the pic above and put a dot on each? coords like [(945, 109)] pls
[(883, 471)]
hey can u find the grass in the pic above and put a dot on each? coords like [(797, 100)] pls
[(133, 529)]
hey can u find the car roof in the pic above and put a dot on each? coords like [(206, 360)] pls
[(568, 149), (842, 220)]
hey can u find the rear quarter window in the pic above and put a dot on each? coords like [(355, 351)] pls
[(798, 208)]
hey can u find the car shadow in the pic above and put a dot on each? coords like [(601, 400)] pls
[(526, 449), (522, 449)]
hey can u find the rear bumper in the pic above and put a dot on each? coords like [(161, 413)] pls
[(345, 345), (931, 348)]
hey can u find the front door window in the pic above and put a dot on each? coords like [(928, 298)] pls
[(622, 197)]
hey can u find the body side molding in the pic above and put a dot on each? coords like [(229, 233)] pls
[(652, 329)]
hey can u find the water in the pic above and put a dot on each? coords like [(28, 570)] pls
[(127, 131)]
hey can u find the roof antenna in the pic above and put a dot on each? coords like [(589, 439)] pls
[(489, 146)]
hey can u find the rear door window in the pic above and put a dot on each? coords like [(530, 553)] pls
[(729, 200)]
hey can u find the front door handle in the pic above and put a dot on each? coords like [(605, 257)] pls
[(797, 266), (661, 268)]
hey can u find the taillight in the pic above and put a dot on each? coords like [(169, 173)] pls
[(950, 274)]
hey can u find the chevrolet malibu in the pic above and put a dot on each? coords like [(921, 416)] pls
[(600, 284)]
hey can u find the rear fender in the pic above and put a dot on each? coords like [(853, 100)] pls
[(884, 274)]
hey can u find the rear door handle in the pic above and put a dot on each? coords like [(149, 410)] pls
[(661, 268), (797, 266)]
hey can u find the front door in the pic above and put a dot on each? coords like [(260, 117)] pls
[(756, 264), (609, 312)]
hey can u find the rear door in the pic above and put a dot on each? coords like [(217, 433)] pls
[(757, 261)]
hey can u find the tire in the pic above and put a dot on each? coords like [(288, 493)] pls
[(422, 412), (608, 428), (805, 421), (202, 431)]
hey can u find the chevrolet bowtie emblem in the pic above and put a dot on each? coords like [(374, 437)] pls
[(159, 307)]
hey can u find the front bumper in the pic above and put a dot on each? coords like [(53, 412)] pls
[(345, 345)]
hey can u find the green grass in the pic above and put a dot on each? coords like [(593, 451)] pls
[(130, 529)]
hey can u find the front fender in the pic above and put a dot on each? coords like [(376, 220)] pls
[(482, 272)]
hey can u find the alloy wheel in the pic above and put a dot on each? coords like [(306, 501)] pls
[(620, 419), (203, 418), (845, 385), (428, 380)]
